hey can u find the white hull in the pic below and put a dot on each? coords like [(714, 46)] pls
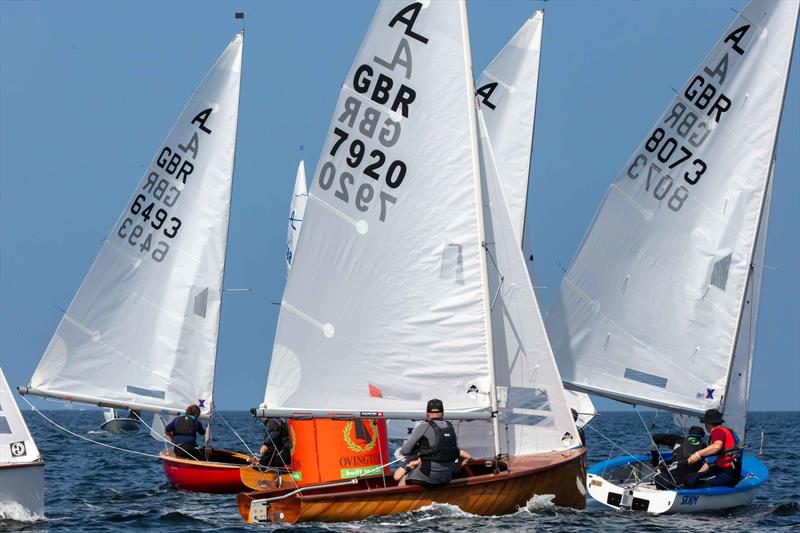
[(22, 491), (663, 501)]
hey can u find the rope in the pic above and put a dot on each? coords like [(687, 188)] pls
[(62, 428), (167, 442), (653, 442), (626, 452), (275, 446), (234, 432), (381, 467)]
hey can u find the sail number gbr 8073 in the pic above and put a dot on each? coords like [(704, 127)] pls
[(668, 165), (368, 125), (150, 224)]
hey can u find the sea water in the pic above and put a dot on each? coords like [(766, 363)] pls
[(93, 488)]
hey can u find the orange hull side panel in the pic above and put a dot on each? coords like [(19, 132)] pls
[(558, 473)]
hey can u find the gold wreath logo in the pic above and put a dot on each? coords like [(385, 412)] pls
[(348, 428), (292, 441)]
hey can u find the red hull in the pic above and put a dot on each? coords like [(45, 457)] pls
[(218, 475)]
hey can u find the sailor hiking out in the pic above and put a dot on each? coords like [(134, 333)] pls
[(183, 431), (724, 444), (431, 451), (672, 472)]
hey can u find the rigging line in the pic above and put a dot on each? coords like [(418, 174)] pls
[(167, 442), (62, 428), (652, 441), (219, 415), (626, 452), (275, 447)]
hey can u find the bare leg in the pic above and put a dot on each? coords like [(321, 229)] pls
[(400, 476)]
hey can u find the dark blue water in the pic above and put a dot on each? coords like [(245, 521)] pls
[(91, 488)]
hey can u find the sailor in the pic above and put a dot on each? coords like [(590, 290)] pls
[(183, 431), (673, 471), (581, 434), (431, 451), (276, 450), (727, 468)]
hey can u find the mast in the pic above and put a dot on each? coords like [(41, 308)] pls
[(228, 228), (481, 229), (767, 197)]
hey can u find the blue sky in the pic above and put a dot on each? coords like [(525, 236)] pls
[(89, 90)]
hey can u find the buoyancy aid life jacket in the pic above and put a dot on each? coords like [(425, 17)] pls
[(186, 425), (730, 456), (446, 448)]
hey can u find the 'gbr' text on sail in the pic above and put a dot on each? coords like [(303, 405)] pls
[(150, 223), (359, 168), (674, 147)]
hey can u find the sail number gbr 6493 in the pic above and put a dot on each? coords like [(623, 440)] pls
[(668, 164), (149, 223)]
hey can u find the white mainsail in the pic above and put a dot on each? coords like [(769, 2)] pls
[(141, 331), (296, 212), (531, 399), (650, 309), (21, 465), (390, 262), (506, 93)]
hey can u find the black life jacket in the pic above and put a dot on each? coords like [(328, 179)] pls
[(446, 449), (185, 425), (686, 447)]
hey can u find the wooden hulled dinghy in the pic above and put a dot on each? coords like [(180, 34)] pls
[(259, 478), (476, 490), (219, 474), (422, 292)]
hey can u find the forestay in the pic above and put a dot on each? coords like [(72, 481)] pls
[(506, 93), (384, 305), (650, 308), (16, 443), (531, 399), (142, 329), (296, 211)]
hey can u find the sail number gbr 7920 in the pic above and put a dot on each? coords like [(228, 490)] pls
[(150, 224), (668, 164), (357, 165)]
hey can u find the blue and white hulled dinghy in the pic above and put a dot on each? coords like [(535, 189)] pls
[(659, 305)]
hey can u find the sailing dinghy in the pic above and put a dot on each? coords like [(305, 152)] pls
[(141, 332), (21, 465), (659, 306), (391, 301), (117, 421)]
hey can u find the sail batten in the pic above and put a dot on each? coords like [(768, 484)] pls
[(650, 308), (142, 328)]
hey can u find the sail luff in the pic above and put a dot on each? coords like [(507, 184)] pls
[(227, 227), (764, 210), (471, 104), (524, 237)]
